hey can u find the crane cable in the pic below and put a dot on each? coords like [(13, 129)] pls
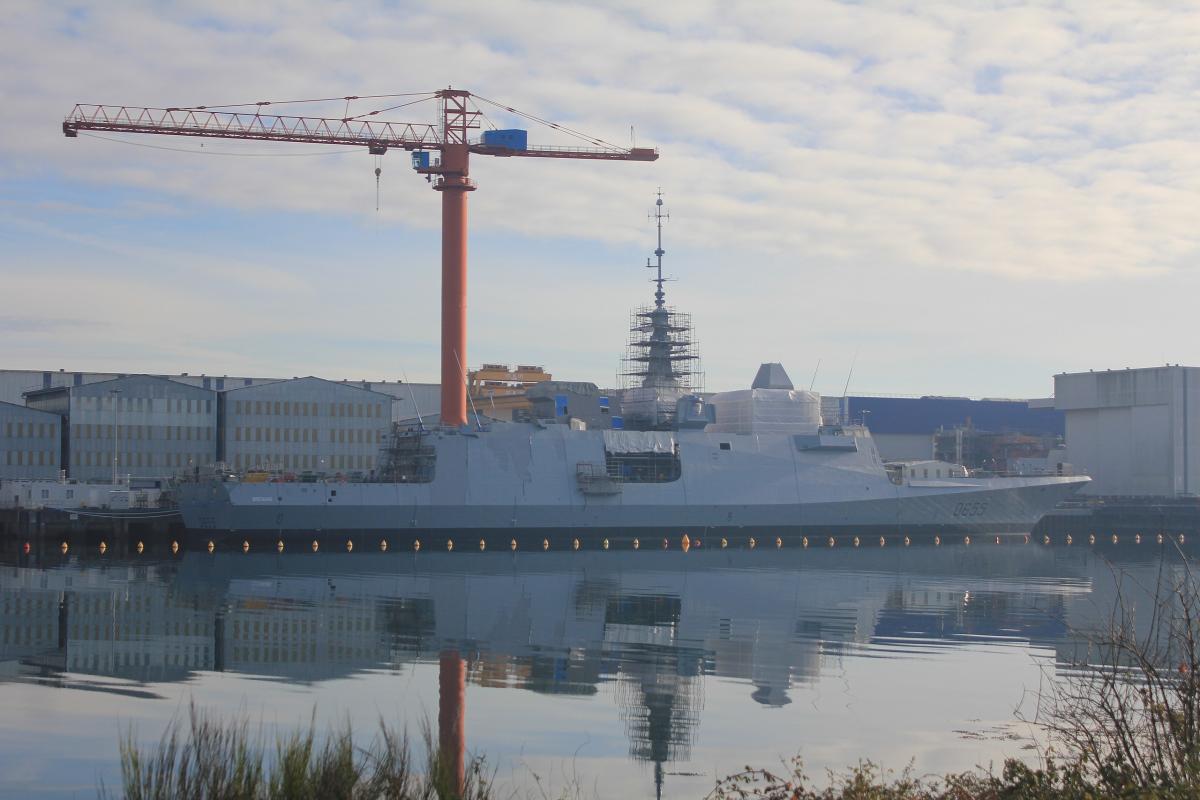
[(378, 170), (383, 110), (313, 100), (555, 125)]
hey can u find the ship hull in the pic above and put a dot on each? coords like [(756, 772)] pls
[(519, 479)]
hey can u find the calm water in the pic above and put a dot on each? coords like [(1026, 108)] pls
[(610, 669)]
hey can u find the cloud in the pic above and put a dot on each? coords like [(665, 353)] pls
[(1048, 145)]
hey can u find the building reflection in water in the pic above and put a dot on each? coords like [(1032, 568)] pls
[(651, 625)]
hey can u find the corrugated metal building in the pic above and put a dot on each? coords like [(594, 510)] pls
[(304, 425), (410, 399), (30, 443), (1136, 432), (148, 427)]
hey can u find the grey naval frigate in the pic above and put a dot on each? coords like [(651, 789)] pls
[(673, 461)]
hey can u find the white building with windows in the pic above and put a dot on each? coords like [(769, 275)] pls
[(304, 425), (139, 426), (30, 443)]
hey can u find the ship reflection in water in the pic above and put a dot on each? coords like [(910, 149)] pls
[(621, 646)]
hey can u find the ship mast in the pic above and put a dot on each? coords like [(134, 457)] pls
[(660, 367), (662, 359), (658, 218)]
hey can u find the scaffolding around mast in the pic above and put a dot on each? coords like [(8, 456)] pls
[(661, 351)]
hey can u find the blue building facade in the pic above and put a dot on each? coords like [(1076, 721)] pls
[(913, 415)]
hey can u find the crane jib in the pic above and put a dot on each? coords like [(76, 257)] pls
[(378, 137)]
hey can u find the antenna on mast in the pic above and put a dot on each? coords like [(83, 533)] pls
[(658, 216), (416, 407), (846, 389)]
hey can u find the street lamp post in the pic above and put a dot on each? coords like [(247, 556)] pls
[(115, 394)]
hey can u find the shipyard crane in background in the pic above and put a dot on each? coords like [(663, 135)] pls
[(449, 173)]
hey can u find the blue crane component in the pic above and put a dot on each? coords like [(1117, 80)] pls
[(511, 139)]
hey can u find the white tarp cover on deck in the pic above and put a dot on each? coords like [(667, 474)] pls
[(766, 411), (639, 442)]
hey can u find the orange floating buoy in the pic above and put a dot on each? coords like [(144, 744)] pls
[(666, 544), (416, 545), (316, 545), (211, 546), (1027, 538), (574, 544), (1181, 539), (64, 547), (482, 545), (753, 543), (1091, 538), (724, 543), (1160, 538), (685, 541), (512, 545), (1137, 538), (1045, 540), (907, 541), (279, 546), (966, 540), (832, 541), (997, 540), (1114, 539), (856, 542), (882, 542), (140, 548), (449, 544), (804, 542), (937, 540), (174, 547), (1069, 539), (25, 548), (245, 546), (545, 544), (349, 546), (103, 548), (604, 544), (778, 542), (383, 545), (636, 544)]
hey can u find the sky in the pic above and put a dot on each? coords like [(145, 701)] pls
[(938, 197)]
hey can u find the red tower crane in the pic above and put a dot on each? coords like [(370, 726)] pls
[(452, 171)]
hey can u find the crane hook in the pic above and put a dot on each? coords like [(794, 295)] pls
[(378, 170)]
